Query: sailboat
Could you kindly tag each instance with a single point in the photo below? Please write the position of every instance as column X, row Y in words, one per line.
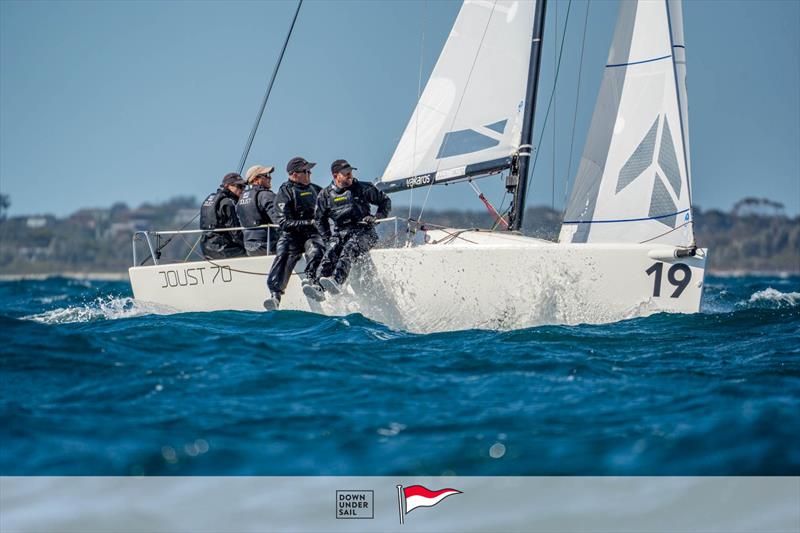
column 626, row 247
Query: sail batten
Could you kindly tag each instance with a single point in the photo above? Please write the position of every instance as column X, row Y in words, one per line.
column 633, row 181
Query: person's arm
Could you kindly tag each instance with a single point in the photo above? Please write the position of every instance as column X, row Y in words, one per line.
column 380, row 199
column 266, row 204
column 321, row 213
column 228, row 208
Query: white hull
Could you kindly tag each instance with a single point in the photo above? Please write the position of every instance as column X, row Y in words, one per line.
column 481, row 280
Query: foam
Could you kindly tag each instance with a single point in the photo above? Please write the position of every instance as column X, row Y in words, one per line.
column 772, row 296
column 104, row 308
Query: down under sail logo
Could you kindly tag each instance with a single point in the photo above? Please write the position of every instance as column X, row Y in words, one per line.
column 409, row 498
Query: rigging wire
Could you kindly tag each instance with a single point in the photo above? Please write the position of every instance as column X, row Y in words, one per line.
column 419, row 94
column 575, row 111
column 253, row 131
column 252, row 136
column 552, row 94
column 555, row 115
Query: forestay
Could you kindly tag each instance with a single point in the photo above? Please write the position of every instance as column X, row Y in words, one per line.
column 468, row 119
column 633, row 182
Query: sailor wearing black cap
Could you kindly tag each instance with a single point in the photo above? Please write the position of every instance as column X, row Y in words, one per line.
column 219, row 211
column 346, row 202
column 295, row 203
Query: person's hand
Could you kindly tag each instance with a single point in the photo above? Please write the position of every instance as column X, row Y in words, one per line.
column 369, row 220
column 308, row 222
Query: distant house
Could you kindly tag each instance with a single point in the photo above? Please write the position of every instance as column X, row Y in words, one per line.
column 129, row 226
column 36, row 222
column 184, row 216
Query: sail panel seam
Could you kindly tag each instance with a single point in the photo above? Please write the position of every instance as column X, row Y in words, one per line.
column 639, row 62
column 624, row 219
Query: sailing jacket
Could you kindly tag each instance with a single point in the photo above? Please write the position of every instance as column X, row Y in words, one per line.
column 347, row 207
column 219, row 211
column 295, row 208
column 255, row 208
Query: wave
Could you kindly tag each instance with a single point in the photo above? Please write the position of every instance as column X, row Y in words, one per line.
column 770, row 297
column 102, row 308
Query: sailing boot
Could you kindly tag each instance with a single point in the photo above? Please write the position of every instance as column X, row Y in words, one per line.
column 272, row 304
column 313, row 291
column 330, row 285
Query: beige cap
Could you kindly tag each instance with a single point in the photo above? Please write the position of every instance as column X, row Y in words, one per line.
column 255, row 170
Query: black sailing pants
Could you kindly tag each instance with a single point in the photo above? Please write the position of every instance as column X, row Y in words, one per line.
column 343, row 250
column 288, row 251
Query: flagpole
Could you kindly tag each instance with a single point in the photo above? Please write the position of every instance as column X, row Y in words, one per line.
column 400, row 502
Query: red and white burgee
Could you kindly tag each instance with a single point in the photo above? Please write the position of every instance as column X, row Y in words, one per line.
column 419, row 496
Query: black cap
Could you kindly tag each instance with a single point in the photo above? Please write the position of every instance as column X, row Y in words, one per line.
column 232, row 178
column 298, row 164
column 341, row 165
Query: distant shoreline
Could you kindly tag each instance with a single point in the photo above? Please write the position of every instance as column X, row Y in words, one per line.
column 89, row 276
column 123, row 276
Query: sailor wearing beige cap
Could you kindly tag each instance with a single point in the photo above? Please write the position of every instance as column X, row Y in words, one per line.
column 256, row 207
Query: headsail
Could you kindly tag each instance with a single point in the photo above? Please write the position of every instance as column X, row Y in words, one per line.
column 469, row 118
column 633, row 182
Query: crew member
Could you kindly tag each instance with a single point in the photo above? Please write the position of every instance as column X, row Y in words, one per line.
column 219, row 211
column 346, row 201
column 256, row 207
column 295, row 203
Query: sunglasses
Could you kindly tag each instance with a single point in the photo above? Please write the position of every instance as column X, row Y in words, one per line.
column 265, row 176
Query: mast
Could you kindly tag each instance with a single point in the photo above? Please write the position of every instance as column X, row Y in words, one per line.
column 517, row 181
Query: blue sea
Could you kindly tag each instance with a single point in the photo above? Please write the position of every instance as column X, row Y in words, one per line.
column 94, row 383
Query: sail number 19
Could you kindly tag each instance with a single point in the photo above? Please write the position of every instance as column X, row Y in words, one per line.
column 680, row 283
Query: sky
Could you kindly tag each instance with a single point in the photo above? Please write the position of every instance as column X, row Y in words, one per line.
column 142, row 101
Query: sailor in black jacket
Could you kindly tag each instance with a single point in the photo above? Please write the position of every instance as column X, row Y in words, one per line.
column 295, row 203
column 346, row 201
column 219, row 211
column 256, row 207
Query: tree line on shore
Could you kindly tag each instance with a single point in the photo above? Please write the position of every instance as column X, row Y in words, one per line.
column 756, row 236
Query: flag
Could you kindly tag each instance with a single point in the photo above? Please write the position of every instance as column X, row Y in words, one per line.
column 419, row 496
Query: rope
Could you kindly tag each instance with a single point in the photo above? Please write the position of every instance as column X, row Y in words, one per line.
column 502, row 214
column 667, row 233
column 253, row 131
column 575, row 112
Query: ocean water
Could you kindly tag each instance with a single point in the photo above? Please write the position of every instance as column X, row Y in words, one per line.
column 94, row 383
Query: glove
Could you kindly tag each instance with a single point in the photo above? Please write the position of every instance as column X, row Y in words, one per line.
column 308, row 222
column 369, row 220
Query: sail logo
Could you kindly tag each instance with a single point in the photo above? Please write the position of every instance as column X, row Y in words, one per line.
column 667, row 183
column 462, row 142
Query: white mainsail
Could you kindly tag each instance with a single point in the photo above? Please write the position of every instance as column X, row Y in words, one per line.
column 471, row 111
column 633, row 182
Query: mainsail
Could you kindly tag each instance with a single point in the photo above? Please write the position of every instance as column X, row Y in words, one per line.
column 633, row 182
column 468, row 120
